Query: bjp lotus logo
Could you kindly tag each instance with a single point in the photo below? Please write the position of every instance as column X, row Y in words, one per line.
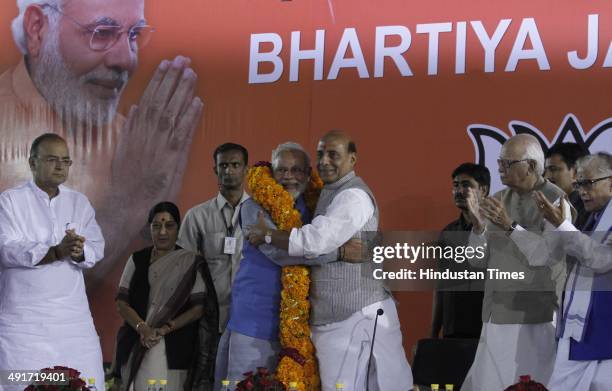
column 488, row 140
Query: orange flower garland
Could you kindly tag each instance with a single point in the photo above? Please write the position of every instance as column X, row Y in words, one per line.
column 301, row 366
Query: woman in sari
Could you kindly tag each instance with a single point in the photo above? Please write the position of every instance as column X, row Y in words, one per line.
column 168, row 302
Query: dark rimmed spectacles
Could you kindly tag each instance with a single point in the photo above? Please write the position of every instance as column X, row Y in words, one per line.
column 104, row 37
column 587, row 184
column 506, row 164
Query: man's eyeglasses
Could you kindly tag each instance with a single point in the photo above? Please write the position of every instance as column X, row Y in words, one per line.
column 104, row 37
column 587, row 184
column 293, row 170
column 506, row 164
column 54, row 160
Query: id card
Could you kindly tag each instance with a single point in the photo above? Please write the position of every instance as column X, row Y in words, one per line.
column 229, row 245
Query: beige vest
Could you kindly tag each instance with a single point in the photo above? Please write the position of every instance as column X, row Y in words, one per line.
column 533, row 299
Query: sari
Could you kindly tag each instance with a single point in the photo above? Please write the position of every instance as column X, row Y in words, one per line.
column 171, row 280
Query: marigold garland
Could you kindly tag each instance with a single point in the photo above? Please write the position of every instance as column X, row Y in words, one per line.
column 294, row 306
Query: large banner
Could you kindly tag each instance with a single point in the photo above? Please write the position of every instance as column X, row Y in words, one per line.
column 420, row 86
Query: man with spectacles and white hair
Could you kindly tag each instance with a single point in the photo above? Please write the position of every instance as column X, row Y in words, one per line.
column 77, row 59
column 584, row 353
column 48, row 236
column 518, row 336
column 251, row 339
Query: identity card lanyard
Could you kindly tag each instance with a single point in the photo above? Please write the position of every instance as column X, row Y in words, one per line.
column 229, row 243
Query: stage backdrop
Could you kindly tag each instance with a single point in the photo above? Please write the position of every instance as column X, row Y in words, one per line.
column 421, row 86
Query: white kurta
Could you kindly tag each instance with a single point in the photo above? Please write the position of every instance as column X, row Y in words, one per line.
column 44, row 313
column 343, row 347
column 583, row 375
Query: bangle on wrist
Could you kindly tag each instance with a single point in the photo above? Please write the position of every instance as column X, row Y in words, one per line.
column 142, row 322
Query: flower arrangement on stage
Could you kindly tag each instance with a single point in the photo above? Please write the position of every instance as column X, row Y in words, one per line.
column 526, row 384
column 298, row 362
column 261, row 380
column 51, row 376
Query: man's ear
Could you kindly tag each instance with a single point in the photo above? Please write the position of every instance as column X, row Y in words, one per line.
column 484, row 191
column 35, row 27
column 353, row 158
column 573, row 173
column 215, row 170
column 532, row 165
column 31, row 162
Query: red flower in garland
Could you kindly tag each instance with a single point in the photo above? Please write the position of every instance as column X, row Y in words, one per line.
column 526, row 384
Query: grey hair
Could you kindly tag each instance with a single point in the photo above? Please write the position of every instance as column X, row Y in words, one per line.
column 602, row 161
column 533, row 151
column 17, row 26
column 288, row 147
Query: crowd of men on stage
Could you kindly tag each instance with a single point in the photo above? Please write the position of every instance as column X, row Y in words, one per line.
column 551, row 221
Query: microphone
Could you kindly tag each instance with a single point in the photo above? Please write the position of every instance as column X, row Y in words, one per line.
column 379, row 312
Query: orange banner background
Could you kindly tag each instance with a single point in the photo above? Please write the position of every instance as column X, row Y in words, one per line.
column 410, row 131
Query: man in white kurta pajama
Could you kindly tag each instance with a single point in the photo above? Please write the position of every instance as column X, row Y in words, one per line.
column 48, row 235
column 584, row 353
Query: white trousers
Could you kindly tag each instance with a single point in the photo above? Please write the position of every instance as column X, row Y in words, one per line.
column 569, row 375
column 239, row 353
column 507, row 351
column 343, row 349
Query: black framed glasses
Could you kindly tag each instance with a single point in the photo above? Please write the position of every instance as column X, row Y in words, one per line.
column 587, row 184
column 506, row 164
column 104, row 37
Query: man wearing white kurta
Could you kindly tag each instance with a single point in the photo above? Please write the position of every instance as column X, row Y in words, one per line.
column 518, row 337
column 584, row 354
column 345, row 297
column 48, row 235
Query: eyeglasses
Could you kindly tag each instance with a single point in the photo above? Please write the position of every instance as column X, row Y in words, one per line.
column 587, row 184
column 293, row 170
column 104, row 37
column 54, row 160
column 506, row 164
column 169, row 226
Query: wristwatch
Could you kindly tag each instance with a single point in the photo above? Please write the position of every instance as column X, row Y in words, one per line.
column 268, row 237
column 512, row 226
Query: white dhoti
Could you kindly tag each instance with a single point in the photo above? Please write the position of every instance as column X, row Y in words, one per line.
column 507, row 351
column 37, row 345
column 343, row 349
column 570, row 375
column 239, row 353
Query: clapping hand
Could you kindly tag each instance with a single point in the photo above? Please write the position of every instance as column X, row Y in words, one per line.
column 495, row 211
column 554, row 214
column 473, row 210
column 72, row 245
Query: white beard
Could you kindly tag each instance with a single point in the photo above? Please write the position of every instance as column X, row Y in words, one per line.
column 66, row 93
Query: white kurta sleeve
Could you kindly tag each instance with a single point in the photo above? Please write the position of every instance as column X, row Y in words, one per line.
column 587, row 250
column 345, row 216
column 93, row 250
column 16, row 251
